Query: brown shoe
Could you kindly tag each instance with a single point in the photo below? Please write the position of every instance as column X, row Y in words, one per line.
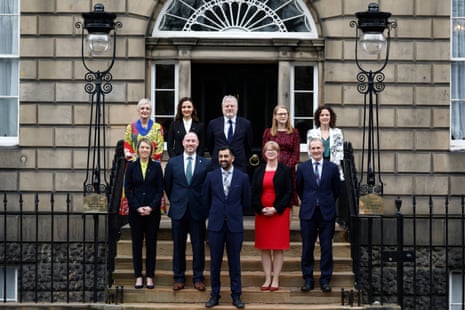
column 178, row 286
column 199, row 286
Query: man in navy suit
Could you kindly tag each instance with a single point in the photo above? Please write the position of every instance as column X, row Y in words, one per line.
column 184, row 178
column 227, row 194
column 230, row 130
column 318, row 186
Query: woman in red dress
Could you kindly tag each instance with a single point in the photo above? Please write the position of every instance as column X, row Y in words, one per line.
column 288, row 138
column 271, row 195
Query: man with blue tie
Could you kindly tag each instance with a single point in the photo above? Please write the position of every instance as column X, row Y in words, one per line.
column 230, row 130
column 318, row 186
column 184, row 178
column 227, row 194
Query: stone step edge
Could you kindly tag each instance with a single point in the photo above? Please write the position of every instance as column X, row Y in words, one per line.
column 245, row 258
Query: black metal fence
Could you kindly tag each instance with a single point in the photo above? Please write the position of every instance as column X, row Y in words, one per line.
column 415, row 260
column 52, row 256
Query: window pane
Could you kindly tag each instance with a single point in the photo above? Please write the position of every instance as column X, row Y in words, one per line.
column 235, row 16
column 9, row 35
column 9, row 77
column 457, row 120
column 303, row 125
column 164, row 102
column 164, row 77
column 9, row 7
column 303, row 104
column 458, row 37
column 8, row 118
column 303, row 77
column 11, row 283
column 458, row 8
column 457, row 79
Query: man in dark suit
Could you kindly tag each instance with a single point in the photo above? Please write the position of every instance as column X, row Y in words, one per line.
column 184, row 178
column 227, row 193
column 318, row 186
column 231, row 130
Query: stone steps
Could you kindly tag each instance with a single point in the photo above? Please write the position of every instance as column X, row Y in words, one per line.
column 288, row 296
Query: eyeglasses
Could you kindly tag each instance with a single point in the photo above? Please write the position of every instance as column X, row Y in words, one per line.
column 281, row 114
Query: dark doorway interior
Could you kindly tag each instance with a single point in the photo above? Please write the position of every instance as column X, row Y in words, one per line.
column 255, row 86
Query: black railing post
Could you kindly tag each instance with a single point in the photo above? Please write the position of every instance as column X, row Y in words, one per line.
column 84, row 258
column 68, row 209
column 52, row 241
column 36, row 279
column 414, row 227
column 462, row 219
column 430, row 251
column 96, row 230
column 400, row 253
column 4, row 246
column 370, row 259
column 21, row 263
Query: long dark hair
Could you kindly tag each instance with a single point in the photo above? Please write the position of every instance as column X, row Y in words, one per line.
column 178, row 116
column 332, row 116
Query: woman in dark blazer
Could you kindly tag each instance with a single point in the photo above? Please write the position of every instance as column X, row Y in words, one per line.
column 272, row 188
column 186, row 120
column 144, row 188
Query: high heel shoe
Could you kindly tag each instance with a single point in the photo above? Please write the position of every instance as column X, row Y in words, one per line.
column 149, row 283
column 265, row 288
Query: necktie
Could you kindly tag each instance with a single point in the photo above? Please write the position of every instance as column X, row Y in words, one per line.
column 226, row 182
column 230, row 131
column 189, row 170
column 317, row 173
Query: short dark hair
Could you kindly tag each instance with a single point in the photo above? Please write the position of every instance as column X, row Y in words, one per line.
column 226, row 147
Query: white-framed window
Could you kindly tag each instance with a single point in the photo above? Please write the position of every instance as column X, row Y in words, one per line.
column 11, row 274
column 304, row 99
column 457, row 80
column 164, row 93
column 456, row 291
column 9, row 72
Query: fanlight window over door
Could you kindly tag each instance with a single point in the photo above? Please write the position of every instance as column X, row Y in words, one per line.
column 236, row 18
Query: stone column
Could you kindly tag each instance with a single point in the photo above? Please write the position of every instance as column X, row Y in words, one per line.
column 284, row 87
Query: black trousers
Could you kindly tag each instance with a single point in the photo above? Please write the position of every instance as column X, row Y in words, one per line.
column 144, row 227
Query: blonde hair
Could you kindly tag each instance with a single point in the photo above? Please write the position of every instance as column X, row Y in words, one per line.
column 271, row 144
column 274, row 125
column 147, row 141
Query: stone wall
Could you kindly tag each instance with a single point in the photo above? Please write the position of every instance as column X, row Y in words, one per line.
column 54, row 273
column 429, row 273
column 54, row 109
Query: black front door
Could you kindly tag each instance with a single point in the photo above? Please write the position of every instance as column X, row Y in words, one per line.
column 255, row 86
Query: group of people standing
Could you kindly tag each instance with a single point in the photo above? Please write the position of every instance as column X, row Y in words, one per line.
column 220, row 190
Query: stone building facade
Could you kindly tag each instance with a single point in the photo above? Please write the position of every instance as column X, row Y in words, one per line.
column 415, row 107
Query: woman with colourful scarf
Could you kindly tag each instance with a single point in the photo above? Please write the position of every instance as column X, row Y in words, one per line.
column 144, row 127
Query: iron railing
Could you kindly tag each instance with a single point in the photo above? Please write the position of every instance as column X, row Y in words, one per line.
column 410, row 259
column 56, row 255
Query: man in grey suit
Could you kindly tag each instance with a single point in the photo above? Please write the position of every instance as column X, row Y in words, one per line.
column 184, row 178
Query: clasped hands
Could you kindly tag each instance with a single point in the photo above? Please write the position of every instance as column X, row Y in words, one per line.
column 144, row 211
column 268, row 211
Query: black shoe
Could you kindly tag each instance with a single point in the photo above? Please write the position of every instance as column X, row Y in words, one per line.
column 237, row 302
column 326, row 288
column 213, row 301
column 307, row 287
